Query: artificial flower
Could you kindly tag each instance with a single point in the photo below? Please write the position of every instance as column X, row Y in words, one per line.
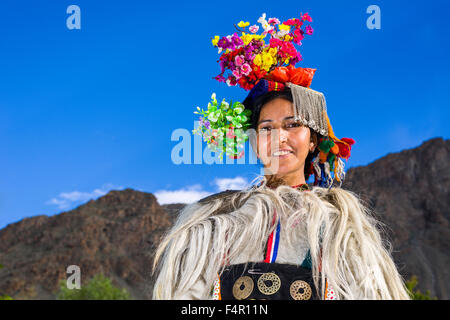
column 284, row 27
column 306, row 17
column 257, row 60
column 273, row 51
column 237, row 74
column 243, row 24
column 247, row 57
column 273, row 21
column 246, row 69
column 230, row 133
column 215, row 40
column 254, row 29
column 239, row 61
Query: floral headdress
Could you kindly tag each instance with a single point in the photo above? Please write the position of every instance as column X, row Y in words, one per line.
column 265, row 62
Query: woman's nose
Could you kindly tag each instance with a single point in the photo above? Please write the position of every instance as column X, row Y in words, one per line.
column 283, row 135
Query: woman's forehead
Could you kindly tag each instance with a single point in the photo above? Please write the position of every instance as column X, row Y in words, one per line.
column 277, row 109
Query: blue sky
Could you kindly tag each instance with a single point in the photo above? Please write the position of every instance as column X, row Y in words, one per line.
column 86, row 111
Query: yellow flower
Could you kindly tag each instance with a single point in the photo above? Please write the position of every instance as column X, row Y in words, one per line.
column 246, row 38
column 273, row 51
column 215, row 40
column 284, row 27
column 243, row 24
column 288, row 38
column 257, row 60
column 267, row 61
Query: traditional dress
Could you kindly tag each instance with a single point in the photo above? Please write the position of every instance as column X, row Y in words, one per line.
column 284, row 274
column 281, row 243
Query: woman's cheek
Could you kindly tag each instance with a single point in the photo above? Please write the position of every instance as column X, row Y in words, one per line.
column 264, row 148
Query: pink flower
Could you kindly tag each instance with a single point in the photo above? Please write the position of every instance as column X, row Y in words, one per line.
column 293, row 22
column 306, row 17
column 269, row 30
column 298, row 36
column 230, row 133
column 274, row 42
column 236, row 74
column 273, row 21
column 238, row 61
column 254, row 29
column 246, row 69
column 309, row 30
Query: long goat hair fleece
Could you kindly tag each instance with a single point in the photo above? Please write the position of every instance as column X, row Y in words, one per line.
column 342, row 235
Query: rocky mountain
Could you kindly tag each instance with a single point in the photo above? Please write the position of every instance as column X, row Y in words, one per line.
column 114, row 235
column 409, row 193
column 117, row 234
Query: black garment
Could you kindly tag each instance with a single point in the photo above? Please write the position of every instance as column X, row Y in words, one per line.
column 269, row 281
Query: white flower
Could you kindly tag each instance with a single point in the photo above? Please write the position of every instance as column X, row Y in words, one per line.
column 238, row 109
column 280, row 34
column 262, row 19
column 212, row 117
column 225, row 105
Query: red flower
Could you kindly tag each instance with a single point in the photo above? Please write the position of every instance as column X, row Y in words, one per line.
column 231, row 81
column 345, row 147
column 244, row 84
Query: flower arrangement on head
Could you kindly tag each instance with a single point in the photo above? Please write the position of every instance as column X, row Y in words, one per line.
column 265, row 62
column 247, row 57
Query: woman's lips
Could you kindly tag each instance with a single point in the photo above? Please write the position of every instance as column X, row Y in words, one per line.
column 283, row 153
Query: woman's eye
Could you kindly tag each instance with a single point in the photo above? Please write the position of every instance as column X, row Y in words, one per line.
column 265, row 129
column 293, row 125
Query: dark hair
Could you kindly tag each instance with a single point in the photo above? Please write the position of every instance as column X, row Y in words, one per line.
column 256, row 105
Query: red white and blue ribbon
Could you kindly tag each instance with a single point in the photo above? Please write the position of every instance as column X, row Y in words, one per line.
column 272, row 244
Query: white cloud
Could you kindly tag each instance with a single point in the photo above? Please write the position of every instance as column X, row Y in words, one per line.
column 195, row 192
column 67, row 200
column 237, row 183
column 186, row 195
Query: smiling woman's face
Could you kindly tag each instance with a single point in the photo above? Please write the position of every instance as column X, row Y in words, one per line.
column 283, row 143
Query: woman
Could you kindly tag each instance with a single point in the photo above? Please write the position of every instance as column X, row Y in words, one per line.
column 280, row 239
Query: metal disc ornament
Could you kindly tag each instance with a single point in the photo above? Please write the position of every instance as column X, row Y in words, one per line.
column 300, row 290
column 243, row 287
column 269, row 283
